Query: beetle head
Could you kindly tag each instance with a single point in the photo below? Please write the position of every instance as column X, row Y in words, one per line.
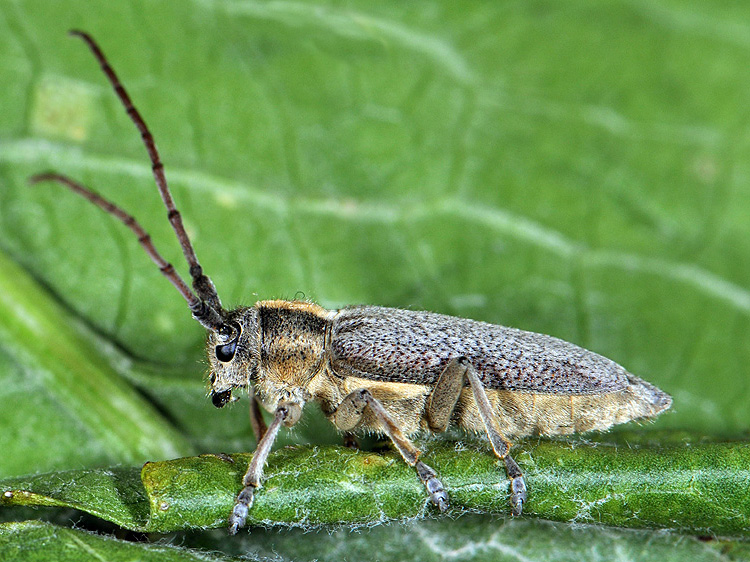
column 233, row 354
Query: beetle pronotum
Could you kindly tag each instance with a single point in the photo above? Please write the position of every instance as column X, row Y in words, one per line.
column 391, row 371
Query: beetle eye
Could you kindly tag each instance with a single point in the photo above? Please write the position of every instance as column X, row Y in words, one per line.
column 225, row 353
column 220, row 399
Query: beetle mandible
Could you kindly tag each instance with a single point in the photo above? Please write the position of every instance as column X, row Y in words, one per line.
column 391, row 371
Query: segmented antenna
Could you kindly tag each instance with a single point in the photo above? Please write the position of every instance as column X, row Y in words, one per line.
column 144, row 239
column 204, row 304
column 208, row 316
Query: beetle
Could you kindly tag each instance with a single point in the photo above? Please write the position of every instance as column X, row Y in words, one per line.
column 385, row 370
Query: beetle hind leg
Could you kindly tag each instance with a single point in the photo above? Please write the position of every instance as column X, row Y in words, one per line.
column 350, row 412
column 440, row 405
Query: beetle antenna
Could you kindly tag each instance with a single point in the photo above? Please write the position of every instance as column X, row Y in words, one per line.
column 208, row 316
column 202, row 284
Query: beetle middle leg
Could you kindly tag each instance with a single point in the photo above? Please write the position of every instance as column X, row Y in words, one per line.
column 350, row 412
column 442, row 401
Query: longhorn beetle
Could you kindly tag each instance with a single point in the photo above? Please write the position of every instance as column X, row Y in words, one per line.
column 391, row 371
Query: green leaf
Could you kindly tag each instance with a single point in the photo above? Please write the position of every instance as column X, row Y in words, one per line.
column 39, row 334
column 576, row 168
column 37, row 541
column 423, row 540
column 691, row 487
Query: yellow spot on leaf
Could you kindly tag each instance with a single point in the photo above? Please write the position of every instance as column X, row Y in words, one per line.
column 226, row 200
column 61, row 108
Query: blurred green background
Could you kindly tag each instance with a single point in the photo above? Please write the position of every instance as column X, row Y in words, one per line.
column 579, row 169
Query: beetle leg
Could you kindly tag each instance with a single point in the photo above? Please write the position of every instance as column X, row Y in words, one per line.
column 256, row 418
column 444, row 396
column 350, row 440
column 442, row 401
column 286, row 413
column 350, row 412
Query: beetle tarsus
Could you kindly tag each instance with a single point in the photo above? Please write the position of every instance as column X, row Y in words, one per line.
column 242, row 505
column 434, row 486
column 517, row 495
column 517, row 485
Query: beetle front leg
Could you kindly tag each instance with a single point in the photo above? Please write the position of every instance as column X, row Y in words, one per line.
column 442, row 401
column 350, row 412
column 287, row 414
